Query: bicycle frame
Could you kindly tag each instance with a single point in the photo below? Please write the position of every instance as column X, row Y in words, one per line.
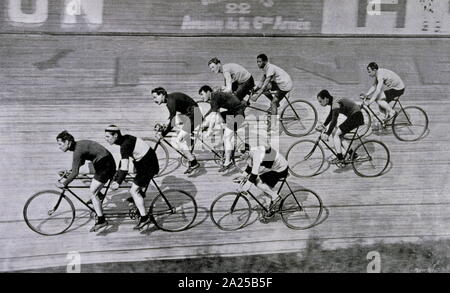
column 319, row 139
column 197, row 138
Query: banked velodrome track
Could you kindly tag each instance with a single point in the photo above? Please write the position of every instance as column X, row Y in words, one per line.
column 83, row 83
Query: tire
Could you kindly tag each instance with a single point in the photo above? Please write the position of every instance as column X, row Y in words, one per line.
column 39, row 217
column 305, row 158
column 230, row 211
column 161, row 153
column 363, row 129
column 298, row 118
column 179, row 215
column 301, row 209
column 373, row 159
column 410, row 124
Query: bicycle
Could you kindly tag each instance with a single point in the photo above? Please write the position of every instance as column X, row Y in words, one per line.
column 306, row 157
column 52, row 212
column 161, row 145
column 300, row 209
column 298, row 118
column 408, row 124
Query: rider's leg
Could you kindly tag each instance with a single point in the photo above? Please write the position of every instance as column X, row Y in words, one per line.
column 182, row 143
column 385, row 108
column 228, row 142
column 266, row 188
column 95, row 187
column 138, row 200
column 337, row 139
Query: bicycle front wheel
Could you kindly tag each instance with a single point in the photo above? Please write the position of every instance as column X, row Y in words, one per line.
column 410, row 124
column 372, row 158
column 301, row 209
column 230, row 211
column 161, row 153
column 174, row 210
column 48, row 213
column 305, row 158
column 298, row 118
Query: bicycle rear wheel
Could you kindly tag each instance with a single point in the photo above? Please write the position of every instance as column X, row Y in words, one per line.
column 410, row 124
column 372, row 159
column 305, row 158
column 239, row 162
column 230, row 211
column 298, row 118
column 161, row 153
column 363, row 129
column 301, row 209
column 45, row 216
column 175, row 211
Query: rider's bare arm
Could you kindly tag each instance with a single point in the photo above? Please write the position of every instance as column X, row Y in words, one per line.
column 228, row 84
column 76, row 164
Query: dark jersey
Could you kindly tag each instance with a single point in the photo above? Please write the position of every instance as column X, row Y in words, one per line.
column 225, row 100
column 132, row 147
column 340, row 106
column 178, row 102
column 85, row 150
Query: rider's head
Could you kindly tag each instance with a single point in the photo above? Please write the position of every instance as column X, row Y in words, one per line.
column 65, row 140
column 372, row 69
column 324, row 98
column 159, row 95
column 261, row 60
column 112, row 133
column 205, row 93
column 214, row 65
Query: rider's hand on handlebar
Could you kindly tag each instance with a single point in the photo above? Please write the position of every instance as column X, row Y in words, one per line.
column 238, row 179
column 324, row 136
column 362, row 96
column 60, row 185
column 244, row 186
column 320, row 127
column 114, row 185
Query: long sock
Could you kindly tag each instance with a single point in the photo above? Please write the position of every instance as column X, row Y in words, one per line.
column 101, row 219
column 144, row 218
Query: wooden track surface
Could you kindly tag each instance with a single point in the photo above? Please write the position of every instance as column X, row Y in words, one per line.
column 78, row 83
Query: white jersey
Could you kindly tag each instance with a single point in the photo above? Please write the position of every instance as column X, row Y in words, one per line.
column 262, row 161
column 280, row 77
column 389, row 79
column 238, row 73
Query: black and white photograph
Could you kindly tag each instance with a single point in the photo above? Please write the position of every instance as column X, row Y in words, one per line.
column 225, row 136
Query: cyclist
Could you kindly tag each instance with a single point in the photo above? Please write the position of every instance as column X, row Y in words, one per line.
column 265, row 167
column 386, row 87
column 145, row 163
column 233, row 118
column 338, row 106
column 104, row 166
column 275, row 80
column 190, row 116
column 237, row 79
